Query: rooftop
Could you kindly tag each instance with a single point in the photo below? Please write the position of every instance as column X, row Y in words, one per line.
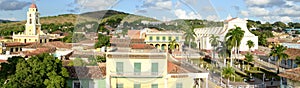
column 33, row 5
column 91, row 72
column 293, row 74
column 292, row 52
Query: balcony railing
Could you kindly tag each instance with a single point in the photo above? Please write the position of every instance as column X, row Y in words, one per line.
column 137, row 74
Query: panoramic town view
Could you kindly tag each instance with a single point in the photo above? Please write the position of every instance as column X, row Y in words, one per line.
column 150, row 44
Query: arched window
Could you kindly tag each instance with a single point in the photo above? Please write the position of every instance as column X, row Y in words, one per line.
column 29, row 15
column 36, row 21
column 30, row 21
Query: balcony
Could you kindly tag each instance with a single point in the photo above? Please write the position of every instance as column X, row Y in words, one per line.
column 137, row 74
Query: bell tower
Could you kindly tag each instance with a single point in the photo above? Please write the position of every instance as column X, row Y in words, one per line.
column 33, row 26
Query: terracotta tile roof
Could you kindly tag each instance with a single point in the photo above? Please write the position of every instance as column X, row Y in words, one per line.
column 134, row 41
column 173, row 68
column 141, row 46
column 58, row 44
column 33, row 5
column 134, row 34
column 88, row 72
column 293, row 74
column 1, row 61
column 13, row 44
column 292, row 52
column 230, row 20
column 39, row 51
column 57, row 32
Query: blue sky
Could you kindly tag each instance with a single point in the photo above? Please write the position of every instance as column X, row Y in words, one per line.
column 263, row 10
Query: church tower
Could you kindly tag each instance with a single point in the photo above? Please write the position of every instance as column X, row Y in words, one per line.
column 33, row 26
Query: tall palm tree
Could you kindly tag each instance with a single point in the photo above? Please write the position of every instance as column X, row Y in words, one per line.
column 249, row 58
column 250, row 44
column 228, row 72
column 233, row 40
column 297, row 61
column 278, row 52
column 172, row 44
column 214, row 41
column 222, row 51
column 189, row 35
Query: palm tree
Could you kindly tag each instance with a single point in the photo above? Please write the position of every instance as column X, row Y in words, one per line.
column 172, row 44
column 297, row 61
column 278, row 52
column 222, row 51
column 250, row 44
column 213, row 40
column 249, row 58
column 233, row 40
column 189, row 35
column 228, row 72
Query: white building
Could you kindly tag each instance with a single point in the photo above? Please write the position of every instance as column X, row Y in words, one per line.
column 203, row 34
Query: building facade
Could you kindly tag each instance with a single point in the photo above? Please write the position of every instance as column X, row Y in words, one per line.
column 161, row 39
column 203, row 34
column 142, row 66
column 32, row 31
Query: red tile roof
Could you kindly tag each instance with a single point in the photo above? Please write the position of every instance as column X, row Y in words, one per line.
column 134, row 34
column 292, row 52
column 293, row 74
column 33, row 5
column 88, row 72
column 141, row 46
column 39, row 51
column 14, row 44
column 173, row 68
column 230, row 20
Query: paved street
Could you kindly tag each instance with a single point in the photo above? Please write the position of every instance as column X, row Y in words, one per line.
column 215, row 78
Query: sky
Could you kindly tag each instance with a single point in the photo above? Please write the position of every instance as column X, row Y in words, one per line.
column 165, row 10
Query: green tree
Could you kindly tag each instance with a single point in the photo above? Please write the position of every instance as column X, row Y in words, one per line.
column 9, row 68
column 214, row 41
column 41, row 71
column 233, row 40
column 228, row 72
column 189, row 35
column 297, row 61
column 250, row 44
column 280, row 25
column 102, row 41
column 79, row 62
column 278, row 52
column 249, row 58
column 172, row 44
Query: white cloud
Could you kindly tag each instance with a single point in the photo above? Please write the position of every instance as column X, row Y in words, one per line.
column 95, row 4
column 272, row 19
column 182, row 14
column 245, row 13
column 212, row 18
column 264, row 3
column 11, row 19
column 285, row 19
column 164, row 4
column 257, row 11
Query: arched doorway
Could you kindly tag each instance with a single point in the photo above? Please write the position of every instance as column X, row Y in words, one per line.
column 151, row 44
column 163, row 47
column 157, row 46
column 177, row 46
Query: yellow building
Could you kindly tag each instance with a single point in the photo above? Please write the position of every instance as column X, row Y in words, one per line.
column 158, row 39
column 32, row 31
column 143, row 66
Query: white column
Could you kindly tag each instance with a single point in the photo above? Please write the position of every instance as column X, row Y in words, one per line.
column 107, row 81
column 206, row 82
column 199, row 82
column 166, row 82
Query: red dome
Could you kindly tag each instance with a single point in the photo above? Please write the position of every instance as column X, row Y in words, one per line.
column 33, row 5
